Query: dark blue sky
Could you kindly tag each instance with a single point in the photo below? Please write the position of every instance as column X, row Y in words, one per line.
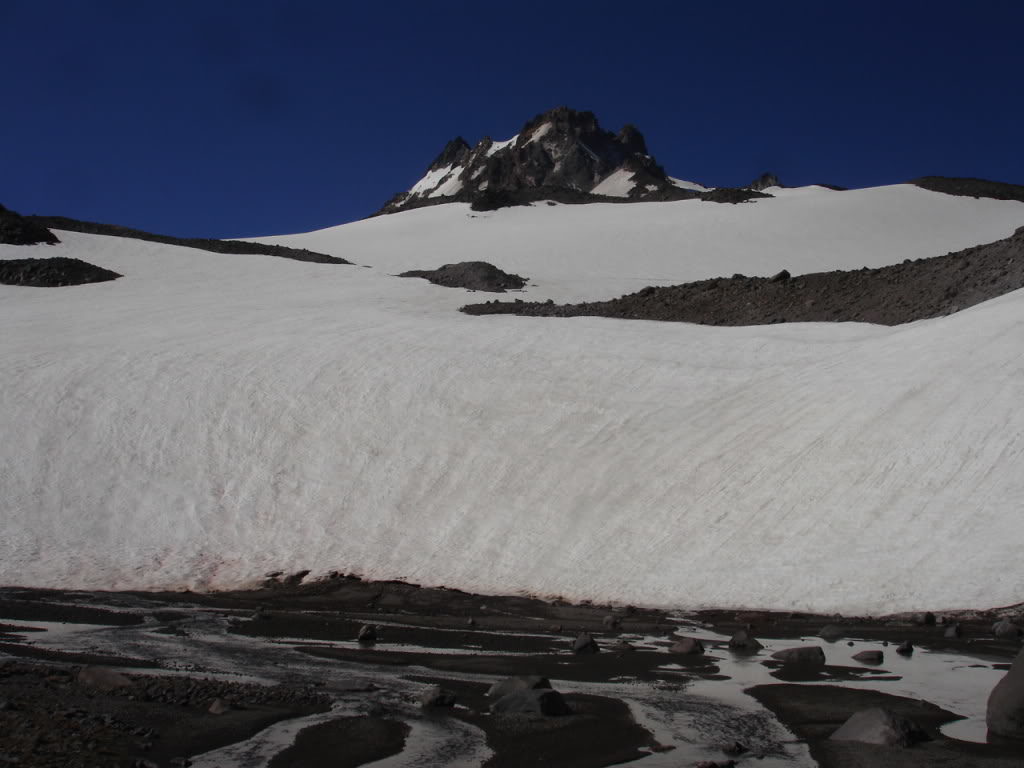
column 229, row 118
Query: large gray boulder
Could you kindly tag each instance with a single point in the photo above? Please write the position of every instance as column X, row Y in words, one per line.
column 687, row 646
column 832, row 632
column 436, row 696
column 539, row 701
column 744, row 642
column 1006, row 630
column 1005, row 713
column 517, row 683
column 880, row 726
column 808, row 656
column 584, row 643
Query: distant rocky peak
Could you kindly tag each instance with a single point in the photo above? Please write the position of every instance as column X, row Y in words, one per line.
column 764, row 181
column 559, row 154
column 455, row 152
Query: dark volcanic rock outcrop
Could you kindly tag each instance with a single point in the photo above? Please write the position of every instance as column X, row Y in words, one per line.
column 16, row 229
column 968, row 187
column 51, row 273
column 764, row 181
column 563, row 152
column 202, row 243
column 901, row 293
column 474, row 275
column 731, row 195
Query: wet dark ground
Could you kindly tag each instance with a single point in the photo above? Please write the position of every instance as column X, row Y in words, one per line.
column 296, row 689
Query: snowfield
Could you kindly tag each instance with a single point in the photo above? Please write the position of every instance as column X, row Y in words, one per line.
column 208, row 418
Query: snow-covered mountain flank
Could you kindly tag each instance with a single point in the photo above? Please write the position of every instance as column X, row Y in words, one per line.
column 207, row 418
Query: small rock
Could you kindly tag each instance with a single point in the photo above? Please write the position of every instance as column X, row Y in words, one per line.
column 180, row 762
column 219, row 707
column 880, row 726
column 437, row 697
column 687, row 646
column 584, row 643
column 715, row 764
column 926, row 619
column 808, row 656
column 905, row 648
column 745, row 642
column 611, row 622
column 954, row 631
column 539, row 701
column 367, row 634
column 733, row 749
column 470, row 622
column 517, row 683
column 869, row 657
column 831, row 632
column 103, row 679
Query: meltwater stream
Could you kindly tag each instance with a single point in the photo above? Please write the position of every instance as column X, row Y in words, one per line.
column 685, row 712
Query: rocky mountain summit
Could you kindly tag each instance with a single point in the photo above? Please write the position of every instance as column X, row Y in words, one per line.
column 561, row 154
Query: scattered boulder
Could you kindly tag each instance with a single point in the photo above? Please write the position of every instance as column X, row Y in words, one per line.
column 808, row 656
column 52, row 273
column 538, row 701
column 367, row 634
column 733, row 749
column 474, row 275
column 880, row 726
column 437, row 696
column 584, row 643
column 103, row 679
column 1006, row 630
column 780, row 277
column 926, row 619
column 744, row 642
column 687, row 646
column 906, row 648
column 832, row 632
column 1005, row 712
column 219, row 707
column 869, row 657
column 611, row 622
column 517, row 683
column 16, row 229
column 954, row 631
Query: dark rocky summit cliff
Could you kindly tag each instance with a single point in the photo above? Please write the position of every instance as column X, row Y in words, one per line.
column 561, row 154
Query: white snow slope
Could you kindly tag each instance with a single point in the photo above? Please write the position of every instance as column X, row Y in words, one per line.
column 209, row 418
